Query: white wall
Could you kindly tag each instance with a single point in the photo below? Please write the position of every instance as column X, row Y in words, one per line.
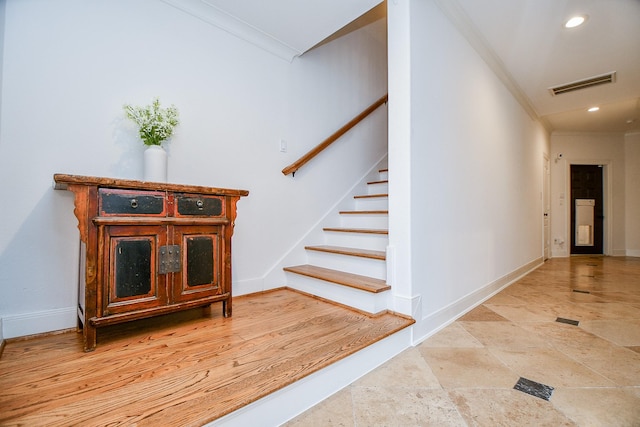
column 2, row 24
column 475, row 174
column 406, row 299
column 632, row 194
column 70, row 65
column 588, row 148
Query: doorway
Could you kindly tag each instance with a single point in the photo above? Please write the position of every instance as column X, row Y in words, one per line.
column 587, row 209
column 546, row 209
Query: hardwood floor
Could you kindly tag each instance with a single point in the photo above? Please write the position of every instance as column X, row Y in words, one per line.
column 181, row 369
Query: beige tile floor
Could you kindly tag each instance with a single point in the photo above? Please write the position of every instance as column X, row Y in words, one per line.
column 465, row 374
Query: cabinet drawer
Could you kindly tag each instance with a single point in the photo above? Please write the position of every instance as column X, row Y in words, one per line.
column 196, row 205
column 125, row 202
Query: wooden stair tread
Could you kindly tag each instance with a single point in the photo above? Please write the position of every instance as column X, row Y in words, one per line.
column 364, row 283
column 369, row 196
column 363, row 253
column 357, row 230
column 364, row 212
column 384, row 181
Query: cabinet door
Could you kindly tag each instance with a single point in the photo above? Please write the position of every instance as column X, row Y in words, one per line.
column 201, row 273
column 131, row 268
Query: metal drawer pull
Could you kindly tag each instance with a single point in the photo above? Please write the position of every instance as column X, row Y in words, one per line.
column 134, row 203
column 200, row 204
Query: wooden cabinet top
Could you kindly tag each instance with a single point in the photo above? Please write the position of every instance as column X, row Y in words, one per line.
column 62, row 181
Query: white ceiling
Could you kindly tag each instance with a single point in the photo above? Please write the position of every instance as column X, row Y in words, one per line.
column 538, row 52
column 523, row 40
column 299, row 24
column 286, row 28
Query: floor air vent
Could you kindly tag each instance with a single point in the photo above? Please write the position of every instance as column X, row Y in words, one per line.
column 583, row 84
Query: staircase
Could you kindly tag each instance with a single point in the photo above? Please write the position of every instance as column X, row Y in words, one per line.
column 349, row 267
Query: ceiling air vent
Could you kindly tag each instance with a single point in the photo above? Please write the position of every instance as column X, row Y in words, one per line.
column 583, row 84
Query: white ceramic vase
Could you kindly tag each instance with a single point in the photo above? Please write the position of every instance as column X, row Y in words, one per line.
column 155, row 164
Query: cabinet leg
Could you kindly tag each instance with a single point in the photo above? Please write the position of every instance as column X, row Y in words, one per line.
column 206, row 310
column 90, row 338
column 226, row 307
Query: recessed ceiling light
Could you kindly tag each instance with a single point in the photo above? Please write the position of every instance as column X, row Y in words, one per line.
column 575, row 21
column 592, row 109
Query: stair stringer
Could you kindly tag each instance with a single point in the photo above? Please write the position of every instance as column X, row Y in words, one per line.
column 333, row 234
column 297, row 254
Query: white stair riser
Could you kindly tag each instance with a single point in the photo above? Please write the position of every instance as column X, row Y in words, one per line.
column 375, row 221
column 379, row 188
column 372, row 204
column 349, row 264
column 376, row 242
column 361, row 300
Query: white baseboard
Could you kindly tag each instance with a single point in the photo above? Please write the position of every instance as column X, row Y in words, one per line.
column 408, row 305
column 1, row 337
column 250, row 286
column 432, row 323
column 559, row 253
column 615, row 252
column 21, row 325
column 285, row 404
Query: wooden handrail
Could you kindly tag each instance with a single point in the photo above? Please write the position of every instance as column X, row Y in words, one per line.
column 293, row 167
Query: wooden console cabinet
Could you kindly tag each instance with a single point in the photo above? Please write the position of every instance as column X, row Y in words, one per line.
column 149, row 248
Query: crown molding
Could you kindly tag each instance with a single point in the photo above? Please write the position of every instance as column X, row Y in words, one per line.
column 215, row 16
column 459, row 18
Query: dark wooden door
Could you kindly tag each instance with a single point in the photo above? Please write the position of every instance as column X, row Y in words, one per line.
column 201, row 252
column 586, row 183
column 130, row 267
